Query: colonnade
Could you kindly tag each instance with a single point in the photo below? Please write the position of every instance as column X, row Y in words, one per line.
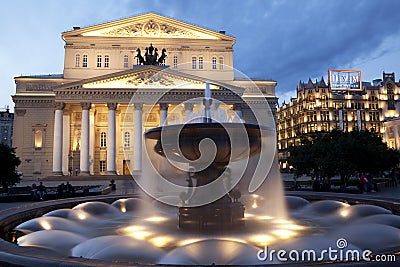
column 111, row 135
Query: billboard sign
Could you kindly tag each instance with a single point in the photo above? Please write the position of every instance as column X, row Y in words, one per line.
column 345, row 80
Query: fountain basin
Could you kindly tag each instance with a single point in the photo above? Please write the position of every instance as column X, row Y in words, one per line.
column 25, row 256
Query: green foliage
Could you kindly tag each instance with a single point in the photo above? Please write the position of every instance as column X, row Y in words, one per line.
column 324, row 155
column 8, row 166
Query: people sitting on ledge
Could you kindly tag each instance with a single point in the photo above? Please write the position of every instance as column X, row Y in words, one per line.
column 33, row 190
column 366, row 184
column 41, row 191
column 65, row 190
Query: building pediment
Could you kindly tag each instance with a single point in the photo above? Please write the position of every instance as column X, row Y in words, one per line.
column 149, row 77
column 148, row 25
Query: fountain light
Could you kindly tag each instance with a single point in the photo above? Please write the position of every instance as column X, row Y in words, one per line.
column 284, row 233
column 131, row 229
column 82, row 216
column 161, row 241
column 156, row 219
column 292, row 226
column 140, row 235
column 248, row 215
column 189, row 241
column 262, row 240
column 344, row 212
column 45, row 224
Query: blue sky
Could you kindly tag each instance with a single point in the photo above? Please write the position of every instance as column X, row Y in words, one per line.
column 283, row 40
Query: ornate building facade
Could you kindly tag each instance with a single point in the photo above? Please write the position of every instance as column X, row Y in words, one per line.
column 317, row 108
column 81, row 120
column 6, row 126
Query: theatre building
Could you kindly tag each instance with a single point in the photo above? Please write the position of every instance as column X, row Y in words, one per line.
column 81, row 119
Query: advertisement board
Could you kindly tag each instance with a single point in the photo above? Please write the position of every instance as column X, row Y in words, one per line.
column 345, row 80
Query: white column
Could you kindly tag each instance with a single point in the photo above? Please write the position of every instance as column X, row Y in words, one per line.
column 66, row 143
column 85, row 139
column 137, row 137
column 58, row 139
column 92, row 138
column 111, row 139
column 163, row 114
column 188, row 111
column 238, row 109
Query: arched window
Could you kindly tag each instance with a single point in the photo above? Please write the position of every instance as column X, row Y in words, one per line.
column 221, row 63
column 103, row 139
column 106, row 61
column 85, row 61
column 38, row 139
column 194, row 63
column 77, row 60
column 175, row 62
column 214, row 63
column 126, row 61
column 127, row 139
column 99, row 61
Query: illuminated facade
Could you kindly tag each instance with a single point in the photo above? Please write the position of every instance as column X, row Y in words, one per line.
column 79, row 119
column 317, row 108
column 6, row 127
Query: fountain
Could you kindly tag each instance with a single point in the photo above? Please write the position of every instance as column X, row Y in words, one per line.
column 127, row 230
column 183, row 143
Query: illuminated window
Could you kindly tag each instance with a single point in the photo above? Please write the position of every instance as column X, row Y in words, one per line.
column 194, row 63
column 103, row 139
column 200, row 63
column 126, row 61
column 102, row 165
column 38, row 139
column 77, row 60
column 99, row 61
column 85, row 61
column 106, row 61
column 175, row 62
column 221, row 63
column 214, row 63
column 127, row 139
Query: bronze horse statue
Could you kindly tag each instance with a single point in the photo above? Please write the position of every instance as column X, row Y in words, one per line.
column 139, row 56
column 162, row 57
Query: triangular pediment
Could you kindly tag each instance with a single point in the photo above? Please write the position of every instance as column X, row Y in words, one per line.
column 149, row 25
column 148, row 77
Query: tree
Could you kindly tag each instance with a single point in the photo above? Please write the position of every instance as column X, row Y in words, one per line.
column 324, row 155
column 8, row 166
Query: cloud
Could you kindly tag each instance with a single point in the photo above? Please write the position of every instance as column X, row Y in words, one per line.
column 283, row 40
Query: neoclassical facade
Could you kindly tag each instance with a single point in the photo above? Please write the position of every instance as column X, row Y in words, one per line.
column 92, row 117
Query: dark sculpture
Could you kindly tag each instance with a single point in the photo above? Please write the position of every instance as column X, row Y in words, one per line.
column 162, row 57
column 150, row 58
column 140, row 57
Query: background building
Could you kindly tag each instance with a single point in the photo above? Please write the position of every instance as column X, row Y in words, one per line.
column 80, row 118
column 317, row 108
column 6, row 126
